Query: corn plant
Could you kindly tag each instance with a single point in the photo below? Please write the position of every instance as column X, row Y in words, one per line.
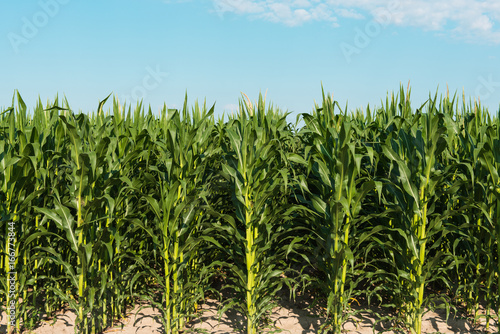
column 173, row 178
column 338, row 188
column 257, row 237
column 417, row 187
column 81, row 207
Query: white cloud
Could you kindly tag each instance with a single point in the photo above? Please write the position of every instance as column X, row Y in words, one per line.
column 285, row 13
column 291, row 12
column 240, row 6
column 468, row 19
column 349, row 13
column 302, row 3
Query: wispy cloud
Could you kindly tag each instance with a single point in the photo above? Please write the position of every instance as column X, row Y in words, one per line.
column 240, row 6
column 475, row 20
column 291, row 13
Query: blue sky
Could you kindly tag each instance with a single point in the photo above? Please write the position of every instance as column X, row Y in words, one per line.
column 157, row 50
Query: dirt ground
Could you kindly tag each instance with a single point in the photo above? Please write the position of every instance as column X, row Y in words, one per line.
column 292, row 318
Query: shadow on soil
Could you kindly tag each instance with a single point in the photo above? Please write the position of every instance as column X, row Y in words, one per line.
column 305, row 315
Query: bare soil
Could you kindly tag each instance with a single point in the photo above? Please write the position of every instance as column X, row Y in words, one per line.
column 298, row 317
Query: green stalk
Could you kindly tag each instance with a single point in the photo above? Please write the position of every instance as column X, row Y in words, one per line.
column 344, row 264
column 35, row 285
column 81, row 280
column 420, row 288
column 251, row 235
column 167, row 275
column 178, row 258
column 175, row 278
column 106, row 268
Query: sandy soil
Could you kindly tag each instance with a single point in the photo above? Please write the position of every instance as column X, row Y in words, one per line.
column 296, row 318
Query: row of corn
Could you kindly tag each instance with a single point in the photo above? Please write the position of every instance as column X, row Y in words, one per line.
column 397, row 206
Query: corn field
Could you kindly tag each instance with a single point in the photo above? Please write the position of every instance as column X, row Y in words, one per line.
column 397, row 206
